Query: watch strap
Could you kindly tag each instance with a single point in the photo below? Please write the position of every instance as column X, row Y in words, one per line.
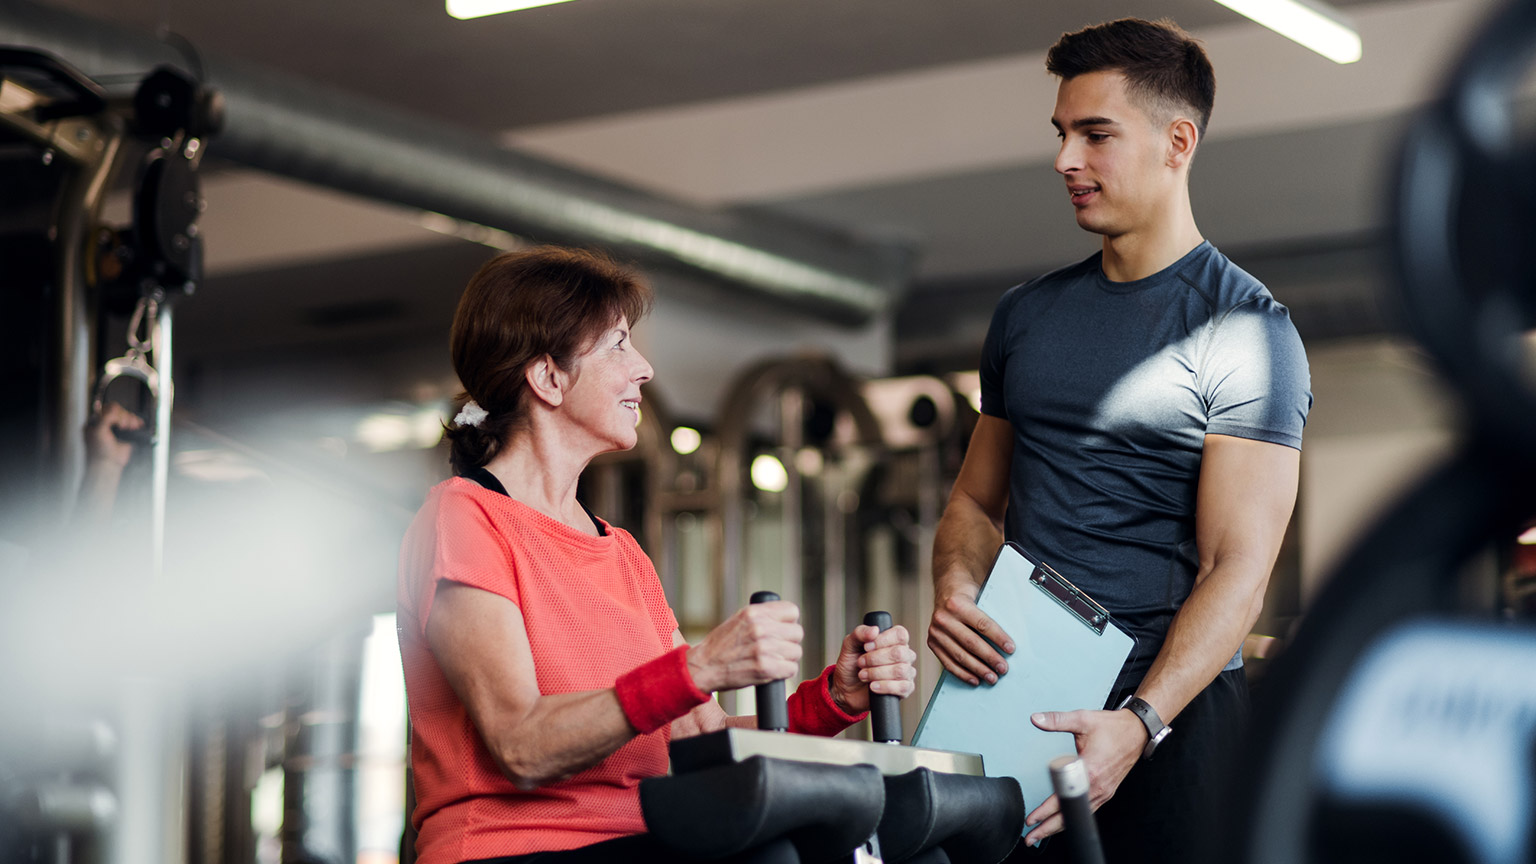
column 1157, row 730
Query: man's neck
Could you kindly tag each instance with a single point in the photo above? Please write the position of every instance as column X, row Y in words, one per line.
column 1139, row 254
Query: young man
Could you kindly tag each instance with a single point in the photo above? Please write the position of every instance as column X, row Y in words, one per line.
column 1141, row 422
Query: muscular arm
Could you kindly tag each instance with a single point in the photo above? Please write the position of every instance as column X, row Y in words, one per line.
column 1246, row 493
column 969, row 532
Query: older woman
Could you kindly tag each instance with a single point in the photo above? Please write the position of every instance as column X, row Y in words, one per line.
column 545, row 671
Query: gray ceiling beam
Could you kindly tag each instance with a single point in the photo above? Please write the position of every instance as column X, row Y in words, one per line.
column 311, row 132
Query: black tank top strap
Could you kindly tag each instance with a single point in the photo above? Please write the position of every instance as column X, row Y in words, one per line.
column 488, row 480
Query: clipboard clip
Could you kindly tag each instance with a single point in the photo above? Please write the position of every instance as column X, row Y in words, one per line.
column 1093, row 616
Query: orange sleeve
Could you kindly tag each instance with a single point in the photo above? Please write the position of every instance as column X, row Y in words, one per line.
column 468, row 550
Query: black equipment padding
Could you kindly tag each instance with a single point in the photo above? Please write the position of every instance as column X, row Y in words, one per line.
column 974, row 820
column 827, row 811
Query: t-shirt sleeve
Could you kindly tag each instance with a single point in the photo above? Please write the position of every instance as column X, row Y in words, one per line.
column 1256, row 381
column 468, row 550
column 994, row 360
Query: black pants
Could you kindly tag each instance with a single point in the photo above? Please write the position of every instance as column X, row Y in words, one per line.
column 1168, row 809
column 645, row 849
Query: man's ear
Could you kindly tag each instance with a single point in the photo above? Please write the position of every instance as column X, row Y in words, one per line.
column 1183, row 137
column 546, row 380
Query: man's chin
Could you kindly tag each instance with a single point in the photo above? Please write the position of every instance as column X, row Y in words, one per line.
column 1093, row 226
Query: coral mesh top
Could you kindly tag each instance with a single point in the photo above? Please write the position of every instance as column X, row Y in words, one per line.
column 594, row 610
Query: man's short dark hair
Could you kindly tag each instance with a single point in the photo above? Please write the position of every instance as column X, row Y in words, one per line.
column 1163, row 66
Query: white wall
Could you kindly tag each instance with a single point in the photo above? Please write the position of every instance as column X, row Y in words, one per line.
column 1380, row 419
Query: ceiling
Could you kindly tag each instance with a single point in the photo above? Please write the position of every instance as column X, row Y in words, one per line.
column 595, row 57
column 920, row 122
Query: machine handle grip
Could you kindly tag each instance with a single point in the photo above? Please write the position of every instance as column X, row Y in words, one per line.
column 772, row 708
column 884, row 710
column 1070, row 778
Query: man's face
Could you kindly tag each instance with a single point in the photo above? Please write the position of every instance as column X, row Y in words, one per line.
column 1114, row 156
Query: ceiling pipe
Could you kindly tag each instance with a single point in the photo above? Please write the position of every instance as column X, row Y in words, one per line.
column 310, row 132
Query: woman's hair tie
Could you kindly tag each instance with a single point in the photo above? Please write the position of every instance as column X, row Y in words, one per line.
column 470, row 415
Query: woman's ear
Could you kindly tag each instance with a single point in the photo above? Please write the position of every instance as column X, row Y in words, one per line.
column 546, row 380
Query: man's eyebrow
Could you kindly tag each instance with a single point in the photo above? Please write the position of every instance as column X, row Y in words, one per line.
column 1084, row 122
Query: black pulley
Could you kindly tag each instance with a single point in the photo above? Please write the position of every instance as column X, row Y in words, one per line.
column 166, row 208
column 169, row 102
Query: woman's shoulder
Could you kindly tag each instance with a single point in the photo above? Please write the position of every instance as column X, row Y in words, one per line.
column 460, row 503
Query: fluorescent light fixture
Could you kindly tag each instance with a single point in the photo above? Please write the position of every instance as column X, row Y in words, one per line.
column 386, row 432
column 1313, row 24
column 465, row 9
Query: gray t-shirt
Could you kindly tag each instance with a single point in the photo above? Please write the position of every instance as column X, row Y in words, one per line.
column 1111, row 388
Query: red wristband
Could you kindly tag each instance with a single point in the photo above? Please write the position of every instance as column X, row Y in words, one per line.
column 812, row 710
column 656, row 693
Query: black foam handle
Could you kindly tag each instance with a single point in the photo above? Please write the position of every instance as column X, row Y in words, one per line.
column 884, row 709
column 772, row 709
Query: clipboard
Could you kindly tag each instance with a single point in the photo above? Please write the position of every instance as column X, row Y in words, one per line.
column 1070, row 651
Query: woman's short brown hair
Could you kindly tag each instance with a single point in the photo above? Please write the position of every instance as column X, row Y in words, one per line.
column 519, row 307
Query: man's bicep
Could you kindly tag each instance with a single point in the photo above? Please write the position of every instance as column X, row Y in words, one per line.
column 1246, row 494
column 984, row 474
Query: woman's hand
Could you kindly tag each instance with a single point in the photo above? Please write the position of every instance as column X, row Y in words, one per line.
column 758, row 644
column 873, row 660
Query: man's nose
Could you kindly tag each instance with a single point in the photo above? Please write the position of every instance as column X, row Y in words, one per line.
column 1067, row 158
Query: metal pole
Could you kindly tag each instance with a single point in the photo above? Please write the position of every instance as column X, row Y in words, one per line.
column 96, row 147
column 160, row 464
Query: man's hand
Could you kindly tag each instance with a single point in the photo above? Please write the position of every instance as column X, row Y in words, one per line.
column 873, row 660
column 101, row 446
column 963, row 547
column 1109, row 742
column 955, row 636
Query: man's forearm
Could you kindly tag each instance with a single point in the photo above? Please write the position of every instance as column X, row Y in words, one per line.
column 1206, row 632
column 963, row 545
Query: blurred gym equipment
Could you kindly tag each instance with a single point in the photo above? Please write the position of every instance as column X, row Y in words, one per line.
column 739, row 788
column 1390, row 730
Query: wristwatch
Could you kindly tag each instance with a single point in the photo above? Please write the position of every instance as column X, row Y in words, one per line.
column 1157, row 730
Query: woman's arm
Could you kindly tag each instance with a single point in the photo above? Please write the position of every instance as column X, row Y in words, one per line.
column 481, row 644
column 479, row 641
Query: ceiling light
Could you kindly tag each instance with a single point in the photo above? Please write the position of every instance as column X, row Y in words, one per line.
column 686, row 439
column 768, row 473
column 1528, row 537
column 1314, row 24
column 463, row 9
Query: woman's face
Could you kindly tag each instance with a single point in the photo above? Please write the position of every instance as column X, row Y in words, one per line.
column 604, row 396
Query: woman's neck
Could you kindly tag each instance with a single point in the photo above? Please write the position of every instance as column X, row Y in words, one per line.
column 541, row 473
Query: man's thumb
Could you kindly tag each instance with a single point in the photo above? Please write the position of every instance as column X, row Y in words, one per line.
column 1055, row 721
